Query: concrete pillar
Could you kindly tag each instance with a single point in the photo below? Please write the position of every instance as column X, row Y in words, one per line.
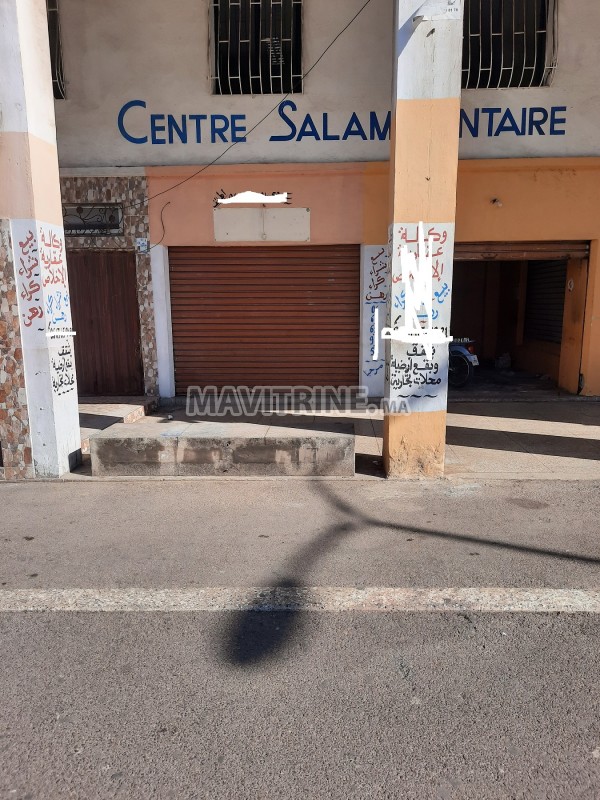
column 39, row 405
column 424, row 163
column 159, row 261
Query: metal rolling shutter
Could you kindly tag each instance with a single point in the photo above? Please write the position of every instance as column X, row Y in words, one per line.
column 265, row 316
column 545, row 301
column 519, row 251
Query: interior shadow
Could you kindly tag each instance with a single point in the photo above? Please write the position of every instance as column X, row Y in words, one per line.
column 369, row 465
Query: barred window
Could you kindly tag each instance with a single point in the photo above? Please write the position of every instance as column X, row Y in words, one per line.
column 58, row 78
column 257, row 46
column 87, row 219
column 509, row 43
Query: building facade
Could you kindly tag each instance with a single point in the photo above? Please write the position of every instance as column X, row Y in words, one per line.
column 165, row 110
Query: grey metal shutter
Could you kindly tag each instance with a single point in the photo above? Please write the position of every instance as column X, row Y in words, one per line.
column 545, row 302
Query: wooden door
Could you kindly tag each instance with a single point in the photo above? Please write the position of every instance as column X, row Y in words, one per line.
column 104, row 307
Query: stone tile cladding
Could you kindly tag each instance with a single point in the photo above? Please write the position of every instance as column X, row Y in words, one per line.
column 15, row 440
column 131, row 193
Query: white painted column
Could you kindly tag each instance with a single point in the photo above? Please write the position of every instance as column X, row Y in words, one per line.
column 32, row 207
column 159, row 260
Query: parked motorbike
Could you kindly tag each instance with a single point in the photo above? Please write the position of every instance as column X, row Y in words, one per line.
column 461, row 362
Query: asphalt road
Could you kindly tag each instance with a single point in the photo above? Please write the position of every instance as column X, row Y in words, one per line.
column 319, row 533
column 350, row 706
column 302, row 704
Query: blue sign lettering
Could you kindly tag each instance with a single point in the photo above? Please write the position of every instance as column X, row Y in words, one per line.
column 308, row 127
column 534, row 121
column 174, row 128
column 121, row 122
column 293, row 129
column 238, row 130
column 155, row 128
column 492, row 122
column 327, row 137
column 377, row 132
column 555, row 120
column 198, row 119
column 182, row 128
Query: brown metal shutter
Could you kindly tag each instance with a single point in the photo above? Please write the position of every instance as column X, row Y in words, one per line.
column 519, row 251
column 265, row 316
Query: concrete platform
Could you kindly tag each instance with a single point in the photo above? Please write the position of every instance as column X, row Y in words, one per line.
column 98, row 413
column 215, row 447
column 542, row 440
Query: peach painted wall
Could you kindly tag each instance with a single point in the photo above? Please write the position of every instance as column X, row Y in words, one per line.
column 540, row 199
column 334, row 193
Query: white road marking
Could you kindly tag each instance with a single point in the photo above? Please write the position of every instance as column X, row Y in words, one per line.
column 318, row 598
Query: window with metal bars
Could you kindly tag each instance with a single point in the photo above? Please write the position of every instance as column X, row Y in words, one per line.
column 509, row 43
column 56, row 63
column 257, row 46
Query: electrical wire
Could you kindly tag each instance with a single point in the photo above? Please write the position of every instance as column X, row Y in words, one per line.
column 164, row 231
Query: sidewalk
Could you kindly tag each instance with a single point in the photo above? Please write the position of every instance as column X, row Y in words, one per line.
column 549, row 439
column 488, row 440
column 558, row 440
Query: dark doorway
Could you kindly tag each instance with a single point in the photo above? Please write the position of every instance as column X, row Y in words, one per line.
column 486, row 306
column 104, row 308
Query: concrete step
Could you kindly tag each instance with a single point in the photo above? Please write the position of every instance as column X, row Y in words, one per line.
column 98, row 413
column 209, row 448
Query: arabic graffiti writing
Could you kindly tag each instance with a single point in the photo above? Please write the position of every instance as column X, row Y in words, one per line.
column 374, row 294
column 44, row 303
column 415, row 368
column 54, row 279
column 419, row 314
column 62, row 363
column 29, row 282
column 58, row 309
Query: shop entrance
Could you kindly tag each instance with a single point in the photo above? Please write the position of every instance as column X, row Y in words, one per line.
column 104, row 307
column 524, row 304
column 265, row 316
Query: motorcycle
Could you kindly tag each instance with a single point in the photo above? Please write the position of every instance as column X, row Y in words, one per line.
column 461, row 362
